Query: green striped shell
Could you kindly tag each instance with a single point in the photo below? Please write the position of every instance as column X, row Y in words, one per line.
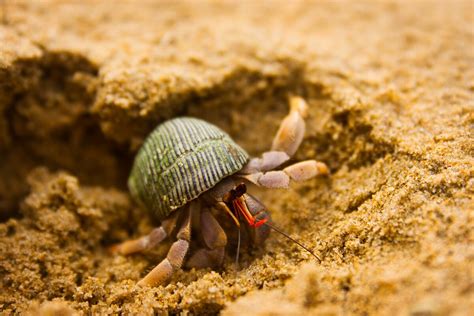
column 181, row 159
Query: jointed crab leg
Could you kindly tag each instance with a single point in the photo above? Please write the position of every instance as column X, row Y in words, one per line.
column 305, row 170
column 174, row 260
column 300, row 171
column 270, row 160
column 286, row 142
column 149, row 241
column 215, row 239
column 292, row 128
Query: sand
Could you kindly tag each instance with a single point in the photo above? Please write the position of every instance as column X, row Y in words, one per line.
column 390, row 86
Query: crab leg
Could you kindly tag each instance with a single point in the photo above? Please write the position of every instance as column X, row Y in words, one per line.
column 174, row 260
column 270, row 160
column 286, row 142
column 300, row 171
column 215, row 240
column 146, row 242
column 292, row 128
column 306, row 170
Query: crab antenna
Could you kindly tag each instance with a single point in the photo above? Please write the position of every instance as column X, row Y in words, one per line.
column 293, row 240
column 238, row 250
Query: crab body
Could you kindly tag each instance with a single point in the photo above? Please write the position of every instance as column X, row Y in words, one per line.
column 187, row 170
column 181, row 159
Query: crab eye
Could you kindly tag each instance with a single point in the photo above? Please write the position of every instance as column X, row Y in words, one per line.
column 240, row 189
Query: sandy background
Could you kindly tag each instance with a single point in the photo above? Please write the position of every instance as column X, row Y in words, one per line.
column 390, row 87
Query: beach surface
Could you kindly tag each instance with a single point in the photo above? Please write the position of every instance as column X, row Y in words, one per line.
column 390, row 89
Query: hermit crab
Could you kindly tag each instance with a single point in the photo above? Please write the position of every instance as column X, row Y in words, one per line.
column 187, row 170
